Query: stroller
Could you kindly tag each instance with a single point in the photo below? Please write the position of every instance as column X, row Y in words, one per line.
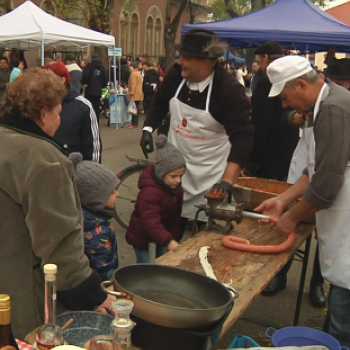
column 104, row 103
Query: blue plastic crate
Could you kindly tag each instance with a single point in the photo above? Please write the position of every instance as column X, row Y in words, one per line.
column 242, row 341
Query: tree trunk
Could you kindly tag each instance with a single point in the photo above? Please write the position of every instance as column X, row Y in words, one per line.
column 229, row 9
column 169, row 41
column 170, row 30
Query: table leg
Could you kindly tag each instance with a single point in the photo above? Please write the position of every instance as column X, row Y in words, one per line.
column 302, row 280
column 122, row 110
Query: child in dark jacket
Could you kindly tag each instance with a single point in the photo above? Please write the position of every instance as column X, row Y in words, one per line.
column 157, row 213
column 97, row 190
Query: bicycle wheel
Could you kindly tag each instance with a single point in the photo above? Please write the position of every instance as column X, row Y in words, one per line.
column 128, row 191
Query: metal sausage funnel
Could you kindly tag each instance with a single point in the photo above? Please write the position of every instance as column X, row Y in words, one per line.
column 218, row 207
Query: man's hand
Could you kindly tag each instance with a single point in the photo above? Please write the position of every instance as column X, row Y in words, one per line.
column 271, row 207
column 286, row 224
column 146, row 143
column 223, row 187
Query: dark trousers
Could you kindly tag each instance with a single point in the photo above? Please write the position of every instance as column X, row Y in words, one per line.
column 337, row 321
column 96, row 102
column 316, row 270
column 147, row 98
column 135, row 118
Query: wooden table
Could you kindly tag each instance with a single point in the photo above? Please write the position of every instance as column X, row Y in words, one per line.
column 248, row 273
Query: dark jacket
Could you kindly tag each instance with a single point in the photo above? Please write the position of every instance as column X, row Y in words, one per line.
column 79, row 130
column 150, row 77
column 124, row 74
column 95, row 77
column 157, row 213
column 100, row 242
column 229, row 105
column 274, row 139
column 76, row 75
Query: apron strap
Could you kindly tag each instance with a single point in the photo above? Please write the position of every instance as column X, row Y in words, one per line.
column 179, row 88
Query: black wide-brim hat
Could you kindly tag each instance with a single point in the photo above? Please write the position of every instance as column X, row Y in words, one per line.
column 338, row 68
column 269, row 48
column 200, row 43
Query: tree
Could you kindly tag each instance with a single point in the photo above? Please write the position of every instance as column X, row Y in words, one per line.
column 5, row 6
column 170, row 29
column 97, row 13
column 223, row 9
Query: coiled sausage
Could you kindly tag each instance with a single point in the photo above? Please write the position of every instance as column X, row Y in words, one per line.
column 245, row 246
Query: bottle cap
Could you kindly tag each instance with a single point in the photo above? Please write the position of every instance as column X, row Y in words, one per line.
column 4, row 301
column 50, row 271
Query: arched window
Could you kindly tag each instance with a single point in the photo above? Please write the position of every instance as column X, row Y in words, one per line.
column 124, row 32
column 157, row 38
column 49, row 7
column 149, row 36
column 134, row 34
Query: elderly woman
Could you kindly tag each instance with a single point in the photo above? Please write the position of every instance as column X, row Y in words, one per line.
column 40, row 216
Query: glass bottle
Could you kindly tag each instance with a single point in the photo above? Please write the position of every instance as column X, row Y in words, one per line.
column 122, row 324
column 7, row 340
column 49, row 335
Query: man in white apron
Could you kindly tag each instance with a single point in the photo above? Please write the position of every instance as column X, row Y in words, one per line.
column 210, row 118
column 324, row 188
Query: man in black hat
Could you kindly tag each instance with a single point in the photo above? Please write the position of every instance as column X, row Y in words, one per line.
column 338, row 71
column 210, row 119
column 274, row 139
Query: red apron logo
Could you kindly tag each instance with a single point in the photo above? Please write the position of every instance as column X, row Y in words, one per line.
column 184, row 122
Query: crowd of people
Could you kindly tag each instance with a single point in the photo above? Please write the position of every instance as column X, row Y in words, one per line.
column 58, row 200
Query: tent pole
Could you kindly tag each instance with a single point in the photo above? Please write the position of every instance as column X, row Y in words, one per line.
column 116, row 90
column 114, row 70
column 42, row 53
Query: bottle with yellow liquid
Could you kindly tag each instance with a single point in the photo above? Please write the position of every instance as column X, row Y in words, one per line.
column 7, row 340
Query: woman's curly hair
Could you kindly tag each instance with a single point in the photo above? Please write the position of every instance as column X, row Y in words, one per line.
column 36, row 89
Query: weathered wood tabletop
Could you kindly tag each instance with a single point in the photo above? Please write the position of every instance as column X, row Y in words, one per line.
column 248, row 273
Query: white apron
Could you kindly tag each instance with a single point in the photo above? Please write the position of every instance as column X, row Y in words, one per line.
column 333, row 226
column 205, row 146
column 299, row 161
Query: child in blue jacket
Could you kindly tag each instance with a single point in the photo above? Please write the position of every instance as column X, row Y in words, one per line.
column 97, row 190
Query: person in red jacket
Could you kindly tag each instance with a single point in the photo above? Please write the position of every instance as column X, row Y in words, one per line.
column 157, row 213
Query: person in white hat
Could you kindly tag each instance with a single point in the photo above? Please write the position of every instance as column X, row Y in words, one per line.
column 324, row 187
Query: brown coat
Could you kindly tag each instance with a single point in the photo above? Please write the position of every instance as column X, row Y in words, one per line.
column 40, row 222
column 135, row 85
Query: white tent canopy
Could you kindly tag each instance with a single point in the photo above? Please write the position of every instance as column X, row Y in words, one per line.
column 28, row 27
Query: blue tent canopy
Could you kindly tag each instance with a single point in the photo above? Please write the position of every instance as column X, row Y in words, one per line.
column 295, row 24
column 231, row 58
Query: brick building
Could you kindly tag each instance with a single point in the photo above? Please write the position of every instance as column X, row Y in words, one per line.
column 139, row 30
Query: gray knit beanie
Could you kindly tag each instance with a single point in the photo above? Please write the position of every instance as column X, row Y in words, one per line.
column 95, row 182
column 168, row 157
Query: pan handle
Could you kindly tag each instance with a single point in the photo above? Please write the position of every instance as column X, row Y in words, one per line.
column 233, row 291
column 269, row 330
column 121, row 295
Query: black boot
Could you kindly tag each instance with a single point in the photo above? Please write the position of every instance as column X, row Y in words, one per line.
column 278, row 283
column 316, row 295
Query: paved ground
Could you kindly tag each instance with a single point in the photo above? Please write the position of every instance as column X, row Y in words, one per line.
column 277, row 311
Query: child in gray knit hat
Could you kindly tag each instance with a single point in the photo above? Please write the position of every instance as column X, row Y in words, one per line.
column 97, row 190
column 157, row 213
